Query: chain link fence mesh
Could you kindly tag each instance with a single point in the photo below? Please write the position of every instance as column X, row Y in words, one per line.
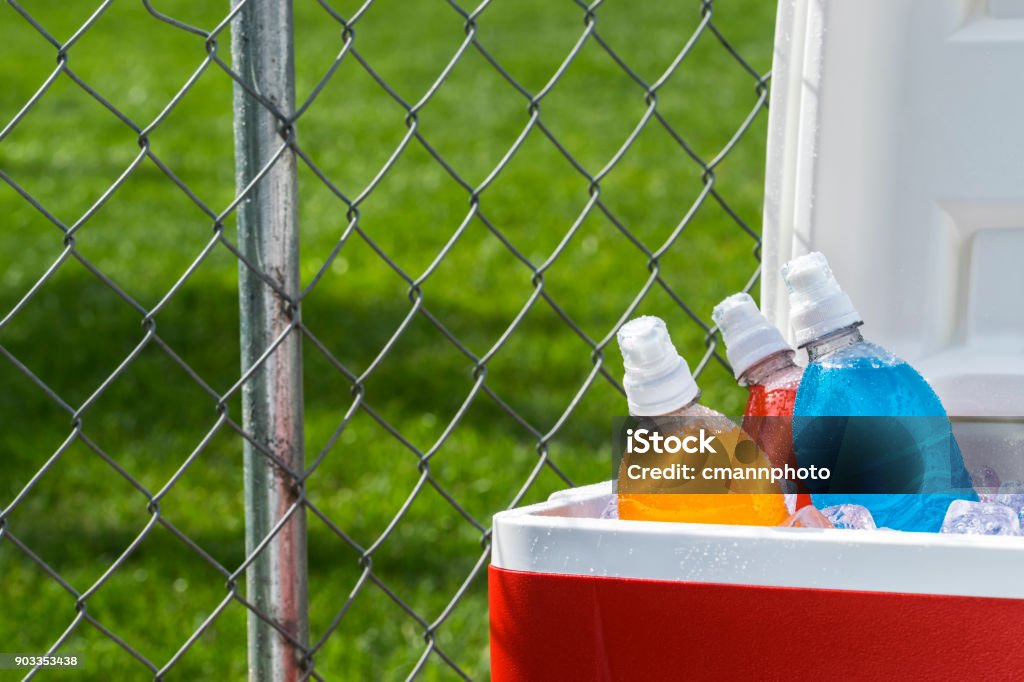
column 485, row 194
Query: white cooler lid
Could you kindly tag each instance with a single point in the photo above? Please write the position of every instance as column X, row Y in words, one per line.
column 902, row 160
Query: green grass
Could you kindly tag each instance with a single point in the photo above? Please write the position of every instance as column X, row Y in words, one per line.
column 81, row 515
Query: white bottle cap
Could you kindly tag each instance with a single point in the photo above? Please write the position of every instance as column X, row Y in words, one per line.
column 749, row 336
column 657, row 380
column 817, row 306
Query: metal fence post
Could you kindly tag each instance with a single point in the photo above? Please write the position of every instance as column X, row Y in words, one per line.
column 263, row 55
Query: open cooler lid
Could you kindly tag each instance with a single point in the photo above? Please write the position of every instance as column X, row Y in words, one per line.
column 901, row 158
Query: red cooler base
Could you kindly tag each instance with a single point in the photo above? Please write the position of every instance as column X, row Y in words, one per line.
column 565, row 627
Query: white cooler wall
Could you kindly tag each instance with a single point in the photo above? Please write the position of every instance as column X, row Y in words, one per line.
column 896, row 147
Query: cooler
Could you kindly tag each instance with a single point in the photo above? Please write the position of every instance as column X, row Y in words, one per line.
column 895, row 148
column 576, row 597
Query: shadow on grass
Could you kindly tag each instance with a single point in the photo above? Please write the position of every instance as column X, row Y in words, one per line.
column 82, row 514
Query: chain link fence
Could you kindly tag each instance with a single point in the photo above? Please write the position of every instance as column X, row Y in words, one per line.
column 443, row 215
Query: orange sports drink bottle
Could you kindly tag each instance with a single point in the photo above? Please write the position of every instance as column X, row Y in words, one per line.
column 661, row 391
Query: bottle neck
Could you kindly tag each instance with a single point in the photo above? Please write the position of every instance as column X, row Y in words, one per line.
column 764, row 370
column 682, row 409
column 837, row 340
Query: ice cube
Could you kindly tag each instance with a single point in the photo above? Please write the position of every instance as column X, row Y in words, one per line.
column 986, row 482
column 807, row 517
column 611, row 510
column 980, row 518
column 1011, row 493
column 851, row 516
